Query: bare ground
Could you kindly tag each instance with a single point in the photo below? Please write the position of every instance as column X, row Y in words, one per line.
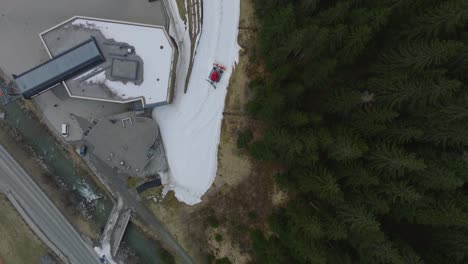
column 181, row 7
column 18, row 244
column 243, row 194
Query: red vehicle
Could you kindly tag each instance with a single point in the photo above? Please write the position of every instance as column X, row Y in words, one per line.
column 216, row 74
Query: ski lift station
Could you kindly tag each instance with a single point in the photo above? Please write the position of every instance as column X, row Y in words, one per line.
column 105, row 60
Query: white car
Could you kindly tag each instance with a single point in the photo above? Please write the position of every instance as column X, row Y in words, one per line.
column 65, row 130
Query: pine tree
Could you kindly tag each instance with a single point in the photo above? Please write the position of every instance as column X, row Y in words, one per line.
column 294, row 92
column 439, row 178
column 381, row 252
column 276, row 29
column 372, row 198
column 335, row 230
column 453, row 242
column 445, row 19
column 357, row 176
column 402, row 133
column 343, row 101
column 450, row 135
column 297, row 119
column 314, row 43
column 394, row 160
column 301, row 222
column 446, row 211
column 261, row 151
column 407, row 253
column 424, row 88
column 317, row 74
column 339, row 258
column 336, row 14
column 422, row 55
column 361, row 223
column 455, row 109
column 321, row 183
column 401, row 192
column 372, row 121
column 355, row 43
column 347, row 146
column 445, row 172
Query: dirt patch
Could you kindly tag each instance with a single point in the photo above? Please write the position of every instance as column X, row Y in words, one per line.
column 181, row 8
column 18, row 244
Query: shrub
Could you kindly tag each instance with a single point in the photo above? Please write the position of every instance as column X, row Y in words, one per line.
column 244, row 138
column 224, row 260
column 212, row 221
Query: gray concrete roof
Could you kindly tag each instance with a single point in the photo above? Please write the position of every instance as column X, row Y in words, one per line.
column 124, row 141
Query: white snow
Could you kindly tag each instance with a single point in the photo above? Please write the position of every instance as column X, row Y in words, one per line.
column 191, row 125
column 157, row 61
column 105, row 250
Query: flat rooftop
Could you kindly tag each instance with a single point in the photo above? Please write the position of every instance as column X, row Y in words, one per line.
column 126, row 142
column 139, row 60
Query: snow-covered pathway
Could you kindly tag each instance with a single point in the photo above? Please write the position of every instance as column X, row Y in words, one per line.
column 191, row 125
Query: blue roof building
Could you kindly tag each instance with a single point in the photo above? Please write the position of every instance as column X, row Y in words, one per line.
column 60, row 68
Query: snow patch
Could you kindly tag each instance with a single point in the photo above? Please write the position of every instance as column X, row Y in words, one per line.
column 105, row 250
column 191, row 126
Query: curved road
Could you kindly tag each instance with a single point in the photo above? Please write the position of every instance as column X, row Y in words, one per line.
column 37, row 209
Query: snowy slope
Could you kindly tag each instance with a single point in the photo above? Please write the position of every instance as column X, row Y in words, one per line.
column 191, row 125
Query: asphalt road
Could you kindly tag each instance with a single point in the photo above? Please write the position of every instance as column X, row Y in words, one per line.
column 42, row 212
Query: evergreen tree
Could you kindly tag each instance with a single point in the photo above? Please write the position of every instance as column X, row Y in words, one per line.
column 355, row 43
column 321, row 183
column 422, row 55
column 401, row 192
column 363, row 225
column 347, row 146
column 444, row 19
column 402, row 133
column 394, row 160
column 343, row 101
column 453, row 242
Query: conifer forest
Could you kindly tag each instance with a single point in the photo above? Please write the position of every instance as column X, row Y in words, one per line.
column 366, row 106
